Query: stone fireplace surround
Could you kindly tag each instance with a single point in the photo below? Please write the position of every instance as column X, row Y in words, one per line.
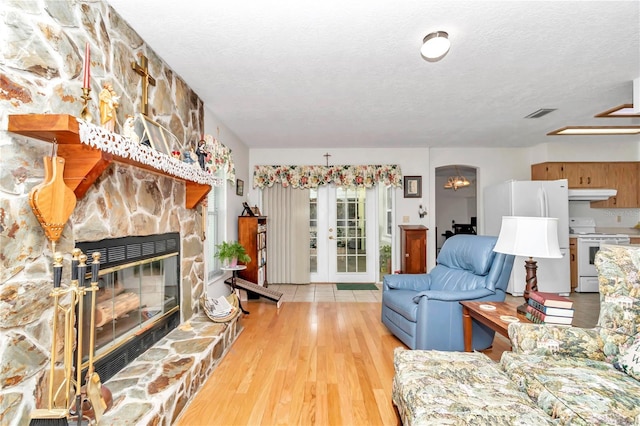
column 124, row 201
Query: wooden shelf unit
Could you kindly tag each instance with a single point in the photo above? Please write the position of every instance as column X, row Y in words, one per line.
column 252, row 234
column 84, row 164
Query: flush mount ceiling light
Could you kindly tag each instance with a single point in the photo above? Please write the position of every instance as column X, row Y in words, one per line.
column 622, row 111
column 626, row 110
column 595, row 130
column 435, row 46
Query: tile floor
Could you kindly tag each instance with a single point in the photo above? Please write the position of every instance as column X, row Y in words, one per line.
column 325, row 293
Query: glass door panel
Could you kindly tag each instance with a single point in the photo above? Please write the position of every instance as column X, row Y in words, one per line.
column 342, row 225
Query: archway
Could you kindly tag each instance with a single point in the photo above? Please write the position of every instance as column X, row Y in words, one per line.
column 456, row 207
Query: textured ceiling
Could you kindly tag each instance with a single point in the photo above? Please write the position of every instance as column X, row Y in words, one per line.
column 289, row 74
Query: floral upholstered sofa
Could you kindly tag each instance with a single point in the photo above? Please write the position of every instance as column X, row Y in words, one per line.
column 571, row 375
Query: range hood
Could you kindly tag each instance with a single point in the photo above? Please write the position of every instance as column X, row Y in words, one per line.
column 591, row 194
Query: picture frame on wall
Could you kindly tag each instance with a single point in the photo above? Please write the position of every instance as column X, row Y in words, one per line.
column 239, row 187
column 413, row 187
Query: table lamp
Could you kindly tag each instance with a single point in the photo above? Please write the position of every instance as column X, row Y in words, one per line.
column 530, row 237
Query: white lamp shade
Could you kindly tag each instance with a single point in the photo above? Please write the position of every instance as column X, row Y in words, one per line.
column 529, row 236
column 435, row 45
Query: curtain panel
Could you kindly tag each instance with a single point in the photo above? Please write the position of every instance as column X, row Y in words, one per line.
column 365, row 176
column 288, row 234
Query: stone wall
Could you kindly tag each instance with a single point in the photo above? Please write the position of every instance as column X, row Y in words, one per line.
column 41, row 72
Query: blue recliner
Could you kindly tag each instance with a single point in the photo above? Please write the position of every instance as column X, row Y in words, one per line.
column 422, row 310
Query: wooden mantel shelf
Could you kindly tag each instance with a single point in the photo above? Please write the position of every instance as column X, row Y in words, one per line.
column 84, row 164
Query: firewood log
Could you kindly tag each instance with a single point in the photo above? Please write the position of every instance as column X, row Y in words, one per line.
column 107, row 293
column 122, row 303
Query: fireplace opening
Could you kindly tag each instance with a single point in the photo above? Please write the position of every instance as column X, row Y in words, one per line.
column 138, row 301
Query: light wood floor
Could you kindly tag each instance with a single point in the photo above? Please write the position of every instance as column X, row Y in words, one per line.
column 321, row 363
column 315, row 363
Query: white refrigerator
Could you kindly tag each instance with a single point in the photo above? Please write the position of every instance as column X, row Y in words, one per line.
column 533, row 198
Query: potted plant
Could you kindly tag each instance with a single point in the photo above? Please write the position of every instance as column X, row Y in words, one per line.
column 230, row 253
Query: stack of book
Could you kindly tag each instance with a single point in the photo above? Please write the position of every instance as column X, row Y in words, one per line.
column 549, row 308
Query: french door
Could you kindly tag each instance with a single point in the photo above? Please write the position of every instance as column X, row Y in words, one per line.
column 343, row 240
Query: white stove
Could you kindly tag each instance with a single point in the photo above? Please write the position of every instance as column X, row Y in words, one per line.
column 588, row 244
column 586, row 227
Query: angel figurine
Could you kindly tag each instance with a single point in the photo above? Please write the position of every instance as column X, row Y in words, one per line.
column 129, row 129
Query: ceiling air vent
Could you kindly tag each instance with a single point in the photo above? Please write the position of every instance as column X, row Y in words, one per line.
column 540, row 113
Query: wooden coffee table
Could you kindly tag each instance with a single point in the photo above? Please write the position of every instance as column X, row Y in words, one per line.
column 490, row 318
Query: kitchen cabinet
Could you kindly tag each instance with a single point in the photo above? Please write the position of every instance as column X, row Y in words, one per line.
column 547, row 171
column 413, row 249
column 622, row 176
column 579, row 174
column 573, row 262
column 586, row 175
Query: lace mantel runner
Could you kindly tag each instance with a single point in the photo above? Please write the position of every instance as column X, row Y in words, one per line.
column 120, row 146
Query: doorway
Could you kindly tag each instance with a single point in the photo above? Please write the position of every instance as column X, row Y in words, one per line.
column 456, row 206
column 343, row 234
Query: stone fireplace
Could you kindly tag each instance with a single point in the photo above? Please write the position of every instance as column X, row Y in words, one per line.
column 148, row 228
column 123, row 199
column 138, row 298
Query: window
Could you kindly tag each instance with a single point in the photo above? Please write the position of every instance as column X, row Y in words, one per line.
column 313, row 230
column 216, row 215
column 388, row 206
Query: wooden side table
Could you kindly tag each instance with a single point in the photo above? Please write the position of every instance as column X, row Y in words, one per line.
column 489, row 317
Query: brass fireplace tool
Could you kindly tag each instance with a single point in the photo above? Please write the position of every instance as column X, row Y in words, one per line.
column 80, row 292
column 52, row 415
column 93, row 399
column 97, row 398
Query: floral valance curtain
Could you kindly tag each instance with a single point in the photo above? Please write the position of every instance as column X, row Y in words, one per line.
column 314, row 176
column 219, row 157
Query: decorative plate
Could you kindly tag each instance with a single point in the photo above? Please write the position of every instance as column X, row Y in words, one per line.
column 509, row 318
column 487, row 307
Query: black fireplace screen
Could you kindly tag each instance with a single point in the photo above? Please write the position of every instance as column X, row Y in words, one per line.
column 138, row 298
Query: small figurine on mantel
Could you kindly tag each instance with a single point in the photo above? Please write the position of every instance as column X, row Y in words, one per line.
column 189, row 155
column 201, row 152
column 108, row 105
column 129, row 129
